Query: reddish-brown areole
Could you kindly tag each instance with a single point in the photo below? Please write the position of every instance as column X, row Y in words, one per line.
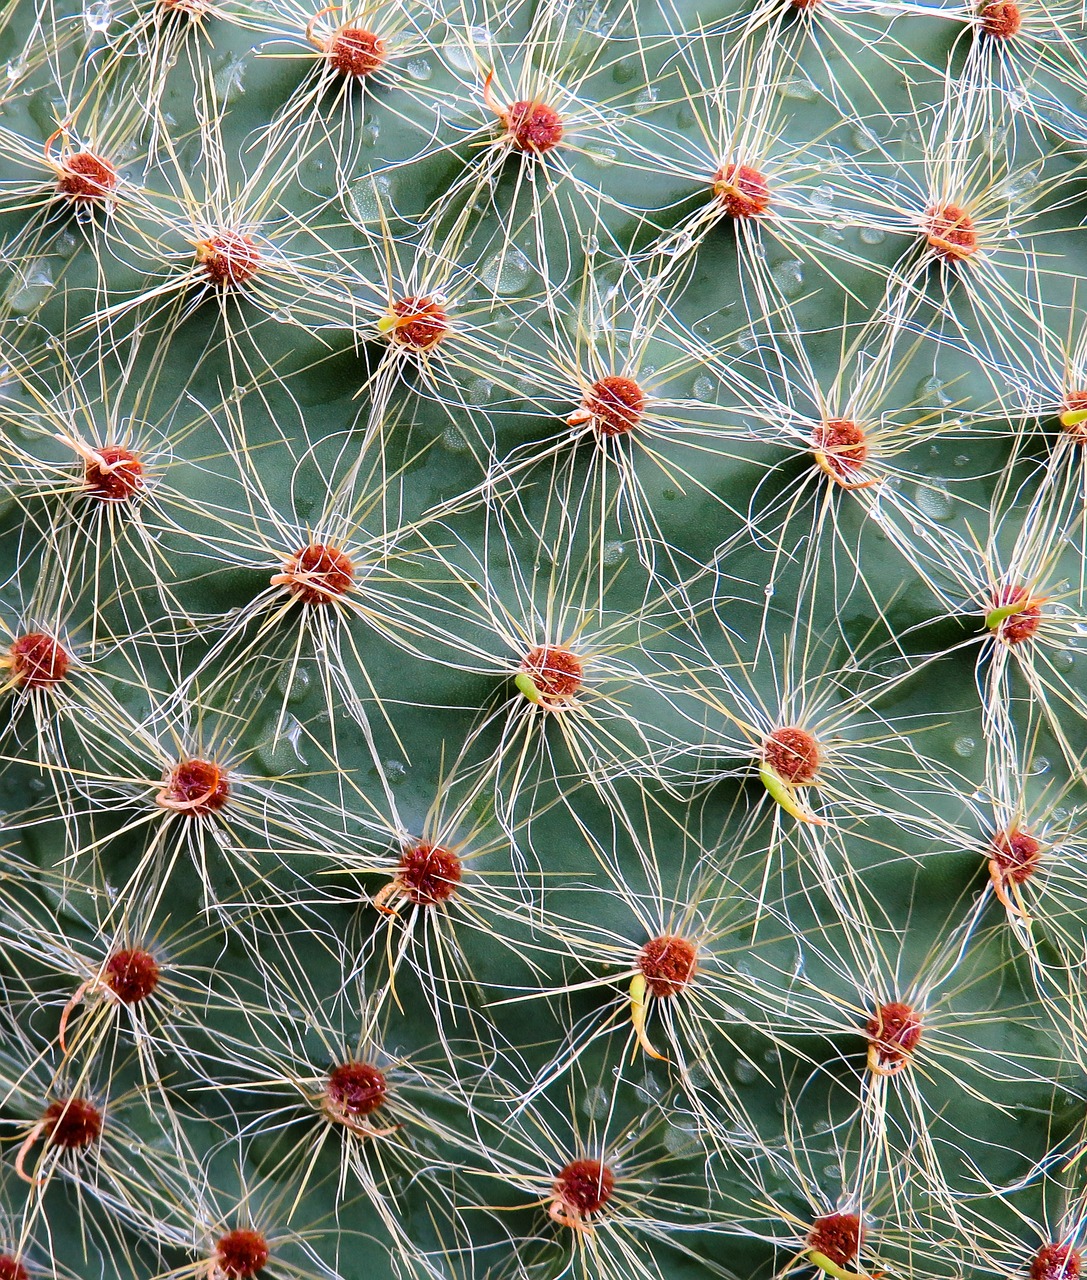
column 229, row 258
column 12, row 1269
column 843, row 445
column 85, row 178
column 837, row 1236
column 1076, row 402
column 613, row 405
column 950, row 232
column 1056, row 1262
column 132, row 975
column 196, row 787
column 533, row 127
column 741, row 191
column 1016, row 854
column 355, row 1090
column 556, row 673
column 241, row 1254
column 428, row 874
column 668, row 963
column 1000, row 19
column 114, row 475
column 37, row 661
column 72, row 1123
column 317, row 574
column 356, row 52
column 894, row 1031
column 1024, row 623
column 584, row 1187
column 793, row 754
column 419, row 323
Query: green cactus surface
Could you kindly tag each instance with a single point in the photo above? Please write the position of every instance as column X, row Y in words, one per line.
column 543, row 580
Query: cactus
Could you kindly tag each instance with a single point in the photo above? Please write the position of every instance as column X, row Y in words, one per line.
column 543, row 639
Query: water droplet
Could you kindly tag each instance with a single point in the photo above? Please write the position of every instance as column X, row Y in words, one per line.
column 31, row 287
column 799, row 89
column 294, row 690
column 595, row 1102
column 936, row 503
column 613, row 553
column 454, row 440
column 745, row 1071
column 789, row 277
column 395, row 770
column 366, row 195
column 98, row 15
column 419, row 69
column 872, row 235
column 1064, row 659
column 458, row 51
column 479, row 391
column 507, row 272
column 704, row 389
column 964, row 747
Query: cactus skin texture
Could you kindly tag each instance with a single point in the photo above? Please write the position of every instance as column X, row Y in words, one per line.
column 544, row 619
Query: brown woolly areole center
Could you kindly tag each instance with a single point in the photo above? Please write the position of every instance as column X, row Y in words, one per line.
column 668, row 963
column 950, row 232
column 793, row 754
column 1076, row 402
column 418, row 323
column 241, row 1254
column 317, row 574
column 1016, row 854
column 1025, row 622
column 132, row 975
column 85, row 178
column 1056, row 1262
column 613, row 405
column 741, row 191
column 72, row 1123
column 354, row 1090
column 12, row 1269
column 894, row 1031
column 556, row 672
column 842, row 443
column 37, row 661
column 229, row 258
column 837, row 1236
column 428, row 874
column 195, row 787
column 356, row 52
column 584, row 1186
column 532, row 127
column 1000, row 19
column 114, row 474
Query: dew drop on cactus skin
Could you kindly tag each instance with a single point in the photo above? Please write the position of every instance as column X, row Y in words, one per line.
column 12, row 1269
column 1000, row 19
column 950, row 232
column 116, row 475
column 356, row 52
column 317, row 574
column 894, row 1031
column 556, row 673
column 417, row 323
column 37, row 661
column 229, row 258
column 668, row 963
column 837, row 1236
column 132, row 975
column 240, row 1255
column 72, row 1123
column 85, row 178
column 354, row 1090
column 741, row 191
column 428, row 874
column 1056, row 1262
column 195, row 787
column 584, row 1187
column 613, row 405
column 793, row 754
column 842, row 444
column 1023, row 623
